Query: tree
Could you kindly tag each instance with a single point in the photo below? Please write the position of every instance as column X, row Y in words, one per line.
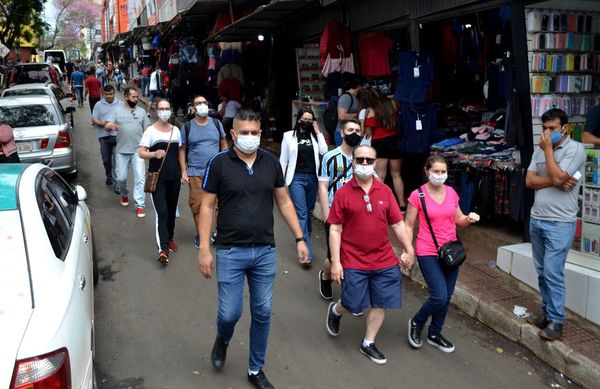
column 71, row 17
column 15, row 15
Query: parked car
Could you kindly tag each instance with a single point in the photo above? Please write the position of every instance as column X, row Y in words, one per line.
column 39, row 89
column 47, row 275
column 42, row 131
column 30, row 73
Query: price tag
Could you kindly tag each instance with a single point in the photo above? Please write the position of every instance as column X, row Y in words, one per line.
column 419, row 125
column 416, row 72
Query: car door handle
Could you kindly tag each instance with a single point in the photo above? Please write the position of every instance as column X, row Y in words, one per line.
column 85, row 238
column 82, row 282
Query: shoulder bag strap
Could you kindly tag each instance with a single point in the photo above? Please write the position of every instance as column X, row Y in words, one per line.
column 422, row 198
column 166, row 152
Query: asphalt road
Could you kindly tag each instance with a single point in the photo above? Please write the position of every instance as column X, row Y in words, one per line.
column 155, row 326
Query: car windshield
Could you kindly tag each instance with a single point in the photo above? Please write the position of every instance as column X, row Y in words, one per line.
column 31, row 73
column 29, row 115
column 26, row 92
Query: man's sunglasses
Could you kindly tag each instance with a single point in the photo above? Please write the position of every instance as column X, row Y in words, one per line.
column 361, row 160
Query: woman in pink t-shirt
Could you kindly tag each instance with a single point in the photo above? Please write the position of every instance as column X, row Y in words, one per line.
column 445, row 214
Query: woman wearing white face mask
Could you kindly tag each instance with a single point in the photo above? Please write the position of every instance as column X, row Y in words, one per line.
column 441, row 203
column 160, row 144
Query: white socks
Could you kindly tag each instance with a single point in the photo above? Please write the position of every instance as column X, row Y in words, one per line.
column 335, row 311
column 367, row 343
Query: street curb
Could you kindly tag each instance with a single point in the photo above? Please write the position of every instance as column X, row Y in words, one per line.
column 557, row 354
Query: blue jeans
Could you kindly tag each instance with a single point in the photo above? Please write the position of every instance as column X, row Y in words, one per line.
column 145, row 85
column 303, row 191
column 550, row 243
column 79, row 94
column 258, row 265
column 138, row 166
column 440, row 282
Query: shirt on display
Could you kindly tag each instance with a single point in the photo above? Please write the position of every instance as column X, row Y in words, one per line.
column 374, row 55
column 335, row 41
column 418, row 123
column 415, row 76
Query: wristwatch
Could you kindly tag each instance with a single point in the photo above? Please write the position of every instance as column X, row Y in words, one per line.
column 301, row 239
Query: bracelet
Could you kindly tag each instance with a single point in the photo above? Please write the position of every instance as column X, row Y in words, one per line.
column 301, row 239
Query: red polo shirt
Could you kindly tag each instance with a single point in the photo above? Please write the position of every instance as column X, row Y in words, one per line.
column 365, row 241
column 93, row 86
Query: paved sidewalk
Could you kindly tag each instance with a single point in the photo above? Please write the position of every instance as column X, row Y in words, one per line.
column 488, row 294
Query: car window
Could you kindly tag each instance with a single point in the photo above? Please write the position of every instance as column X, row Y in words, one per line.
column 26, row 92
column 64, row 193
column 58, row 93
column 55, row 221
column 27, row 75
column 29, row 115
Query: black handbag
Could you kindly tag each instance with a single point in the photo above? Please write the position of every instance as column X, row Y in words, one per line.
column 451, row 254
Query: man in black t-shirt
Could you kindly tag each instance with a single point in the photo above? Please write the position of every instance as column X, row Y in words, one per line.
column 244, row 179
column 591, row 133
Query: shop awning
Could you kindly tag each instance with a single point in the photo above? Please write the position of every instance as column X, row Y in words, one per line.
column 189, row 20
column 264, row 19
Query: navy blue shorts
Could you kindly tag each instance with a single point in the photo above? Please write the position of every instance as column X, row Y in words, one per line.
column 362, row 289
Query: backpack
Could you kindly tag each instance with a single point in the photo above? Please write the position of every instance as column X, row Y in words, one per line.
column 187, row 126
column 330, row 116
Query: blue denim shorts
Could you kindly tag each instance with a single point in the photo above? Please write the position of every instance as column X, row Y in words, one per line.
column 362, row 289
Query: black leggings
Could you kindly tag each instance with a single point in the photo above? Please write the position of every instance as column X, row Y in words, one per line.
column 164, row 200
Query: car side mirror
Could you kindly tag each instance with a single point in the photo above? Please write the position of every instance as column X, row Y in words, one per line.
column 70, row 109
column 81, row 193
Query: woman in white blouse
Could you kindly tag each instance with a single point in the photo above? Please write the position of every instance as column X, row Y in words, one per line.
column 300, row 154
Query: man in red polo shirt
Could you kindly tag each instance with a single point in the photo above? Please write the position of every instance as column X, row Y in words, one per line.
column 91, row 87
column 362, row 258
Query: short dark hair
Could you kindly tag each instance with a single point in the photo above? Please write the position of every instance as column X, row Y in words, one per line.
column 353, row 82
column 555, row 113
column 344, row 123
column 247, row 115
column 128, row 90
column 197, row 96
column 108, row 88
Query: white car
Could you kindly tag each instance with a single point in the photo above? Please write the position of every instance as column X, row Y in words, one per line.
column 47, row 281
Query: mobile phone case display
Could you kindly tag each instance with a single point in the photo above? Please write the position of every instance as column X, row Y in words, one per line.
column 310, row 79
column 590, row 211
column 564, row 61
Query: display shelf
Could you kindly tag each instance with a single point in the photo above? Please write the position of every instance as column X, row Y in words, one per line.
column 571, row 51
column 310, row 80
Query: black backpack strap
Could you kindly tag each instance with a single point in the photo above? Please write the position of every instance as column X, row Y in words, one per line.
column 422, row 198
column 186, row 129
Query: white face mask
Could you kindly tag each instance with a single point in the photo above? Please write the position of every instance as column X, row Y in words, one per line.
column 247, row 144
column 437, row 179
column 164, row 115
column 364, row 171
column 202, row 110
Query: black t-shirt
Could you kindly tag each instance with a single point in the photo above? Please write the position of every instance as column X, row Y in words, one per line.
column 245, row 197
column 306, row 154
column 592, row 124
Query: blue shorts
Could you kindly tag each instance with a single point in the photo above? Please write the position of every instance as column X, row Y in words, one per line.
column 362, row 289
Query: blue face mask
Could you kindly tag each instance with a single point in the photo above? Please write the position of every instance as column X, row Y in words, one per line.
column 555, row 137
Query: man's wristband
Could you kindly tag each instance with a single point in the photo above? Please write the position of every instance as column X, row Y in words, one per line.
column 301, row 239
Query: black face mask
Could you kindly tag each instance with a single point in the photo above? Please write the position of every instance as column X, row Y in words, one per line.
column 353, row 139
column 306, row 126
column 131, row 104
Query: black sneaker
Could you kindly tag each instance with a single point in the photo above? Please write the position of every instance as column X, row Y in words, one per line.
column 260, row 380
column 414, row 334
column 373, row 354
column 325, row 287
column 218, row 354
column 333, row 321
column 553, row 331
column 440, row 342
column 540, row 321
column 108, row 181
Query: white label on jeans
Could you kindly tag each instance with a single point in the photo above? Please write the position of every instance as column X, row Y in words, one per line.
column 419, row 125
column 416, row 72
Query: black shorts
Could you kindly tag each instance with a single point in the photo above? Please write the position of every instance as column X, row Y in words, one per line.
column 387, row 148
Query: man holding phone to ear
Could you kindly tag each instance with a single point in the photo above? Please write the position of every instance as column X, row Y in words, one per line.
column 554, row 174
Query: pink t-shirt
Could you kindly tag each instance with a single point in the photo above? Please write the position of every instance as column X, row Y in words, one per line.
column 442, row 220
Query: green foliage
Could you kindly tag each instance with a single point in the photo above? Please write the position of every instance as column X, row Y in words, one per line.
column 21, row 19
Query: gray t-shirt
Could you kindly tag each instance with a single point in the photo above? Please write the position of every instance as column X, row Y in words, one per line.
column 131, row 127
column 554, row 203
column 203, row 144
column 349, row 102
column 103, row 111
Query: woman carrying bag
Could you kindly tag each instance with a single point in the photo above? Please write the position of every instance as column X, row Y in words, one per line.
column 160, row 144
column 438, row 203
column 300, row 151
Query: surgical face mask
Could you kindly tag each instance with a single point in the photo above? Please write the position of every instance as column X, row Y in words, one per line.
column 164, row 115
column 364, row 171
column 202, row 110
column 353, row 139
column 247, row 144
column 437, row 179
column 556, row 136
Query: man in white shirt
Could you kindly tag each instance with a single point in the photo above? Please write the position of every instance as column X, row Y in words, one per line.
column 227, row 110
column 156, row 88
